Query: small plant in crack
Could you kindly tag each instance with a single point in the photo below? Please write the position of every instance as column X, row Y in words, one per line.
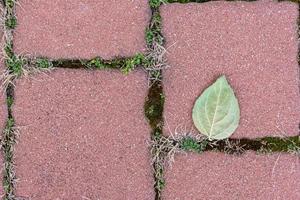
column 156, row 3
column 9, row 136
column 15, row 64
column 281, row 144
column 131, row 63
column 190, row 144
column 8, row 49
column 155, row 62
column 11, row 22
column 234, row 147
column 10, row 3
column 149, row 36
column 293, row 149
column 162, row 150
column 14, row 69
column 95, row 63
column 43, row 63
column 9, row 101
column 153, row 32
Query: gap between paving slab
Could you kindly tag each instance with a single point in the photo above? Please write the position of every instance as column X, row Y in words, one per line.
column 81, row 29
column 220, row 177
column 3, row 113
column 82, row 135
column 3, row 118
column 254, row 44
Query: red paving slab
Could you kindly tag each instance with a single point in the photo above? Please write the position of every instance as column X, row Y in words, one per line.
column 254, row 44
column 81, row 29
column 82, row 136
column 220, row 177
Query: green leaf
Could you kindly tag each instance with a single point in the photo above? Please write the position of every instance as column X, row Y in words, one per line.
column 216, row 112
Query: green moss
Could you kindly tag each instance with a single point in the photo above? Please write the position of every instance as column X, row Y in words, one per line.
column 154, row 106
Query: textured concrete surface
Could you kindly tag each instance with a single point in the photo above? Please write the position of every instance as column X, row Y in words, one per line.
column 253, row 44
column 83, row 136
column 81, row 29
column 220, row 177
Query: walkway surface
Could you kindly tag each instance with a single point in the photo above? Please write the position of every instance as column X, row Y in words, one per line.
column 97, row 99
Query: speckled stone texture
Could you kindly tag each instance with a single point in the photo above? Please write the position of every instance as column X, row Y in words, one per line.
column 83, row 136
column 223, row 177
column 253, row 44
column 81, row 28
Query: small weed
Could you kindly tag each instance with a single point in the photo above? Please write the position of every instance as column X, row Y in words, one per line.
column 153, row 32
column 8, row 49
column 9, row 136
column 95, row 63
column 281, row 144
column 11, row 22
column 190, row 144
column 10, row 3
column 293, row 149
column 131, row 63
column 156, row 3
column 15, row 64
column 162, row 150
column 9, row 101
column 43, row 63
column 149, row 36
column 160, row 183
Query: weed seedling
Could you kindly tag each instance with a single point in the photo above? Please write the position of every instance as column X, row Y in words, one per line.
column 43, row 63
column 10, row 3
column 96, row 63
column 15, row 64
column 156, row 3
column 189, row 144
column 11, row 22
column 131, row 63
